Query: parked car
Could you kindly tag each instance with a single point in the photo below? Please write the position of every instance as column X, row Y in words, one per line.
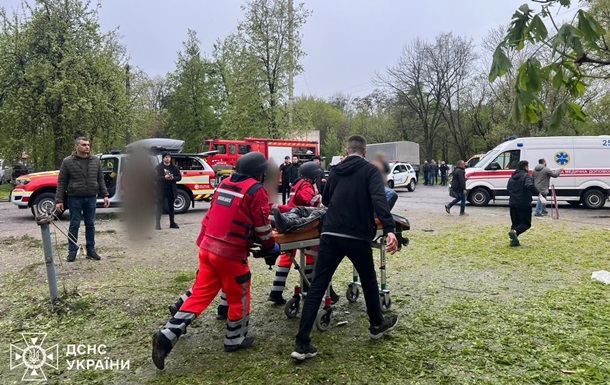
column 197, row 184
column 402, row 175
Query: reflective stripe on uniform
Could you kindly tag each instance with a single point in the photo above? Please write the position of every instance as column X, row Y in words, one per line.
column 235, row 194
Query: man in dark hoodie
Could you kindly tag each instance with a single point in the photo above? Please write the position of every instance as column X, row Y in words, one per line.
column 520, row 188
column 354, row 191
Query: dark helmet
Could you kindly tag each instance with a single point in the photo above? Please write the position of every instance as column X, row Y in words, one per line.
column 309, row 170
column 252, row 164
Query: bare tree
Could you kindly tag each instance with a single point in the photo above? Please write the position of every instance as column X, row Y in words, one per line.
column 410, row 80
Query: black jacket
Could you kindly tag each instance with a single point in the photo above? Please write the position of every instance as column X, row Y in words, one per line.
column 165, row 186
column 285, row 173
column 521, row 188
column 458, row 183
column 353, row 193
column 294, row 172
column 443, row 169
column 80, row 177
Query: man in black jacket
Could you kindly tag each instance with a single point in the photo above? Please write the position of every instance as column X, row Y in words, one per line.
column 353, row 192
column 80, row 181
column 443, row 169
column 294, row 170
column 458, row 188
column 167, row 176
column 520, row 188
column 285, row 176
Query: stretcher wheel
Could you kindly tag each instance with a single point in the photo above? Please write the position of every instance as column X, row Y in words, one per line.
column 386, row 302
column 352, row 293
column 291, row 309
column 323, row 320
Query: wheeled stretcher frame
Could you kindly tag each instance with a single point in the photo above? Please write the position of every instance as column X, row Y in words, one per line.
column 324, row 317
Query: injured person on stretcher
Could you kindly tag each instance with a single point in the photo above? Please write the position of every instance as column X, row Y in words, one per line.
column 304, row 222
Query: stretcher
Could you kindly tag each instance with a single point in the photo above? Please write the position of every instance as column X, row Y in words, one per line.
column 309, row 236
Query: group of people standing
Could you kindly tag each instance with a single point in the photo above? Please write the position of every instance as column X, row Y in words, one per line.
column 432, row 171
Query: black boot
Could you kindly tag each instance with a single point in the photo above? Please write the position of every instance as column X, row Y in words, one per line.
column 161, row 347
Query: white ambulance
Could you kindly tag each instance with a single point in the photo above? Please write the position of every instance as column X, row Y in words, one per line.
column 585, row 161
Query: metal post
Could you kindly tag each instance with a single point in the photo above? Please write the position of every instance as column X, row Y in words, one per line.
column 48, row 260
column 43, row 220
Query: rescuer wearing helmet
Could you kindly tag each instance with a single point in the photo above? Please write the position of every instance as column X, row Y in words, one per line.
column 239, row 213
column 303, row 193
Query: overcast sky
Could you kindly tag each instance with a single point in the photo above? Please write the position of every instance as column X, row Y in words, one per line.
column 346, row 41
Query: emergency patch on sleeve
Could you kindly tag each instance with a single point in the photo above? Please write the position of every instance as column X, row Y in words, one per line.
column 225, row 199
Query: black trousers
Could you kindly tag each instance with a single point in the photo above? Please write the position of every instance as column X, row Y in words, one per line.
column 331, row 252
column 167, row 197
column 521, row 218
column 285, row 193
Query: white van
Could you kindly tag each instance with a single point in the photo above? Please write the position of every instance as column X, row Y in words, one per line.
column 585, row 161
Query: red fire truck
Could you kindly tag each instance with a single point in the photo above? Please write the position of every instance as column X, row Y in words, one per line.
column 226, row 152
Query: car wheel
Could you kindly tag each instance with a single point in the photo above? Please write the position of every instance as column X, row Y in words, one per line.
column 411, row 186
column 44, row 202
column 479, row 197
column 182, row 202
column 391, row 184
column 594, row 199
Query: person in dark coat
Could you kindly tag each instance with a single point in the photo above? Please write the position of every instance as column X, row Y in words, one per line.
column 167, row 190
column 458, row 188
column 80, row 182
column 443, row 169
column 294, row 170
column 321, row 181
column 354, row 192
column 285, row 176
column 521, row 188
column 426, row 173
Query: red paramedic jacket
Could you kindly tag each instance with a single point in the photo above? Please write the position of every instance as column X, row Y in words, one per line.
column 238, row 215
column 302, row 194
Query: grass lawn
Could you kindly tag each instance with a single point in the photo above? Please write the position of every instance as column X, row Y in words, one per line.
column 5, row 190
column 472, row 311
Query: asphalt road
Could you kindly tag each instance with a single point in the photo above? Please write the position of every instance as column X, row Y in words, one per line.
column 426, row 199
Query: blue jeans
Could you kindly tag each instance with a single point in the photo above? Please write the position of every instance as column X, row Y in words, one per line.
column 540, row 208
column 82, row 208
column 391, row 196
column 459, row 197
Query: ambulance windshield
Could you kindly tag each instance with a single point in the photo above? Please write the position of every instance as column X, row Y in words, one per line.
column 490, row 155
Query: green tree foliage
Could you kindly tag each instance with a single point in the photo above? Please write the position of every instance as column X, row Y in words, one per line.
column 192, row 103
column 270, row 33
column 572, row 54
column 61, row 78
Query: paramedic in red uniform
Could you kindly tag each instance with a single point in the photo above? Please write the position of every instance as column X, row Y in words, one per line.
column 239, row 213
column 303, row 193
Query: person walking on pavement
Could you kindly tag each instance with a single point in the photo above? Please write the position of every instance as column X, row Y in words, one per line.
column 520, row 188
column 542, row 178
column 285, row 176
column 81, row 181
column 458, row 188
column 239, row 214
column 167, row 190
column 443, row 170
column 346, row 231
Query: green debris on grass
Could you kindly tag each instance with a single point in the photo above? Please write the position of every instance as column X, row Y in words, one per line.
column 473, row 311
